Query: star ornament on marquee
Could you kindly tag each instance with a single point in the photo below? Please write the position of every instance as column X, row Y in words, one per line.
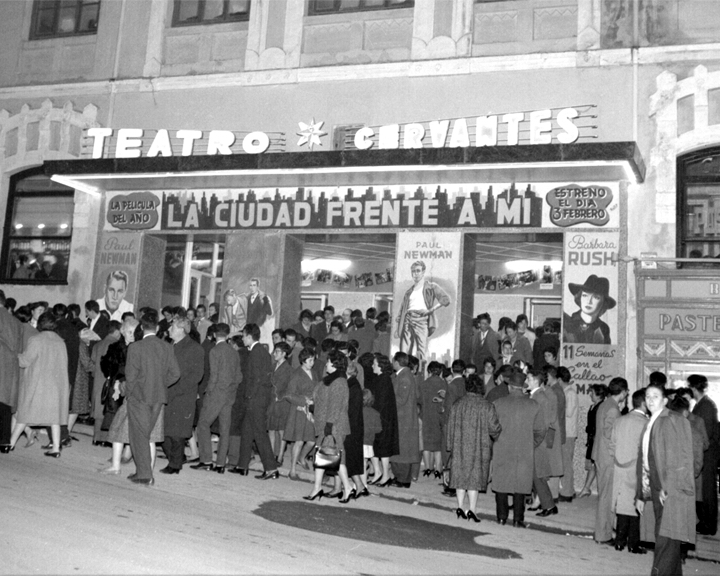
column 310, row 133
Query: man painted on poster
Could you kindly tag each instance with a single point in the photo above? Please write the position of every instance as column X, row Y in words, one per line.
column 593, row 299
column 416, row 321
column 113, row 300
column 252, row 307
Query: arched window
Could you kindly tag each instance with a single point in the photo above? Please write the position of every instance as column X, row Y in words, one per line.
column 698, row 186
column 38, row 230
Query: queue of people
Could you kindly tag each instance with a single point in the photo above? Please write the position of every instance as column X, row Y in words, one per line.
column 507, row 421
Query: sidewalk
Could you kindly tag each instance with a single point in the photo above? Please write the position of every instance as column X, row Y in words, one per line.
column 575, row 519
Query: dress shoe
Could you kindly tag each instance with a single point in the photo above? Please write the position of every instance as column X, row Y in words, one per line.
column 565, row 498
column 132, row 476
column 47, row 446
column 619, row 547
column 548, row 512
column 397, row 484
column 350, row 496
column 274, row 475
column 472, row 516
column 66, row 443
column 637, row 550
column 170, row 470
column 191, row 460
column 460, row 513
column 110, row 471
column 334, row 495
column 519, row 524
column 52, row 454
column 219, row 469
column 317, row 495
column 238, row 470
column 385, row 484
column 6, row 449
column 502, row 521
column 143, row 481
column 207, row 466
column 427, row 472
column 294, row 477
column 534, row 508
column 450, row 492
column 102, row 444
column 610, row 542
column 363, row 492
column 438, row 474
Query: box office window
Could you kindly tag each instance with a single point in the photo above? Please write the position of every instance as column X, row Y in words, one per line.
column 699, row 205
column 38, row 232
column 56, row 18
column 317, row 7
column 192, row 12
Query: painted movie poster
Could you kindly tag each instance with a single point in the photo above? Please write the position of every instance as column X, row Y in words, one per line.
column 425, row 295
column 590, row 292
column 116, row 273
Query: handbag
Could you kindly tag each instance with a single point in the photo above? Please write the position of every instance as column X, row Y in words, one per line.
column 106, row 396
column 327, row 455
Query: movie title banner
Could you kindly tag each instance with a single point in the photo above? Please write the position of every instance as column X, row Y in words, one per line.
column 504, row 205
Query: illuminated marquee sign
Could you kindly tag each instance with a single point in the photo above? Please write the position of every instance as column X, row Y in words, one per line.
column 548, row 126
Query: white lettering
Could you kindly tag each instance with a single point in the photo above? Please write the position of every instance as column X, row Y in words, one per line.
column 460, row 137
column 98, row 135
column 363, row 138
column 128, row 143
column 540, row 127
column 413, row 135
column 486, row 131
column 438, row 132
column 513, row 122
column 160, row 145
column 389, row 136
column 565, row 121
column 219, row 142
column 256, row 143
column 188, row 137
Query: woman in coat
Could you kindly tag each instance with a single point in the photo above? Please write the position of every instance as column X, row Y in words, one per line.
column 299, row 426
column 430, row 406
column 44, row 394
column 387, row 443
column 279, row 408
column 665, row 476
column 473, row 425
column 331, row 419
column 598, row 393
column 354, row 460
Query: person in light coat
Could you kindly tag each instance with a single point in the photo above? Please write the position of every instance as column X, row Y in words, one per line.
column 625, row 444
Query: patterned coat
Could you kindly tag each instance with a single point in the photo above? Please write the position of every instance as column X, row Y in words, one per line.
column 472, row 427
column 331, row 405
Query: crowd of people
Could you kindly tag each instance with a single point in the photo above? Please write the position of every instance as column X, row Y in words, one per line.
column 505, row 419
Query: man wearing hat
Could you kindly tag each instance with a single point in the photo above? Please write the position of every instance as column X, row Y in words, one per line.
column 593, row 299
column 523, row 430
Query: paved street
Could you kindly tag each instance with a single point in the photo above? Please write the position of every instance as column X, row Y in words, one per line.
column 62, row 517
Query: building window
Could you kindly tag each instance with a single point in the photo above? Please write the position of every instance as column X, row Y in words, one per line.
column 698, row 178
column 317, row 7
column 191, row 12
column 38, row 231
column 57, row 18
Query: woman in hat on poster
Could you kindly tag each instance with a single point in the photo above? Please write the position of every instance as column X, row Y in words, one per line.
column 585, row 326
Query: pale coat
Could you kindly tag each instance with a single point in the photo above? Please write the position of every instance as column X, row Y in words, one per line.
column 472, row 427
column 11, row 344
column 671, row 445
column 523, row 429
column 407, row 399
column 44, row 385
column 625, row 443
column 548, row 459
column 331, row 405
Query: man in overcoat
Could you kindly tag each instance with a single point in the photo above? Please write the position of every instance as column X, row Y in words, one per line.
column 257, row 387
column 225, row 377
column 625, row 445
column 523, row 430
column 180, row 411
column 407, row 399
column 602, row 455
column 486, row 342
column 10, row 347
column 150, row 368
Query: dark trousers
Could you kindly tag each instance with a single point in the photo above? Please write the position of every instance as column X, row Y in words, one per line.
column 502, row 510
column 254, row 429
column 708, row 512
column 174, row 449
column 627, row 532
column 543, row 491
column 215, row 405
column 5, row 423
column 141, row 421
column 667, row 559
column 402, row 472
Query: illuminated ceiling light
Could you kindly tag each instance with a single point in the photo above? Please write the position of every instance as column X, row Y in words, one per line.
column 523, row 265
column 63, row 226
column 41, row 226
column 18, row 226
column 325, row 264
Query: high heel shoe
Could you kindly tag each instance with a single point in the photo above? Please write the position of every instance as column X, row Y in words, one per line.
column 386, row 483
column 438, row 474
column 427, row 472
column 461, row 513
column 318, row 495
column 53, row 454
column 363, row 492
column 6, row 448
column 471, row 516
column 350, row 496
